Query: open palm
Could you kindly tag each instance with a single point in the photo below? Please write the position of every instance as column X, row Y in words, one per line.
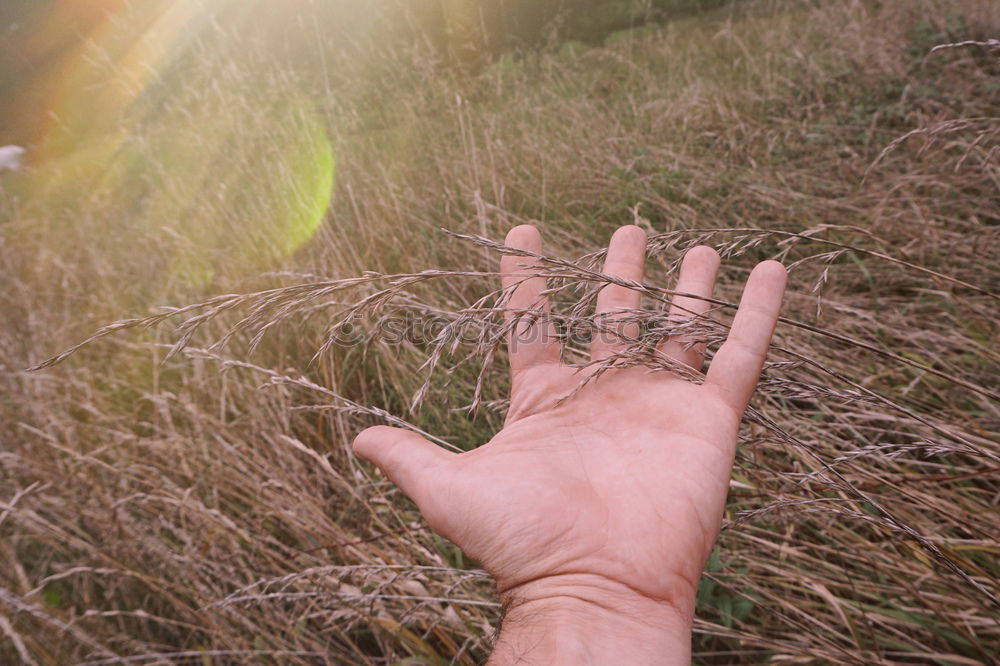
column 621, row 486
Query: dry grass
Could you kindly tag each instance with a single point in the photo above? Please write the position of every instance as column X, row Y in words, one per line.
column 167, row 499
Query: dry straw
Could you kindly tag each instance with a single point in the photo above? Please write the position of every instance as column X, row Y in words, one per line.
column 180, row 486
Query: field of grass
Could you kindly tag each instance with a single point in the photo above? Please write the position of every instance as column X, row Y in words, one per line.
column 182, row 489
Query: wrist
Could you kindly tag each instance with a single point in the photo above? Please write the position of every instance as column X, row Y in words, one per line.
column 584, row 618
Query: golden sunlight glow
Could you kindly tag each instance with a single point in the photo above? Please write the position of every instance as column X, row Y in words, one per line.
column 167, row 109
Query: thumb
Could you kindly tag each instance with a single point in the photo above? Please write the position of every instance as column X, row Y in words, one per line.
column 410, row 461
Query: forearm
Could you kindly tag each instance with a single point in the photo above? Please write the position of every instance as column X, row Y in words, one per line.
column 579, row 623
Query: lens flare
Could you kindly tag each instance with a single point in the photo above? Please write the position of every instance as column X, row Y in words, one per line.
column 193, row 144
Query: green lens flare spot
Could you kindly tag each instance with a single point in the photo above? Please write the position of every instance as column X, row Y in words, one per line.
column 310, row 186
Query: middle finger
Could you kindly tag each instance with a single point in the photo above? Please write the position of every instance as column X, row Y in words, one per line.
column 625, row 259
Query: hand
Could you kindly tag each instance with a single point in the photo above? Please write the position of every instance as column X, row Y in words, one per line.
column 596, row 514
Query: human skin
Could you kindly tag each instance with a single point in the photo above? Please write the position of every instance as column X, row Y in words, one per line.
column 596, row 514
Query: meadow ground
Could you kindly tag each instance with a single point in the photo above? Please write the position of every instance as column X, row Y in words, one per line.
column 199, row 503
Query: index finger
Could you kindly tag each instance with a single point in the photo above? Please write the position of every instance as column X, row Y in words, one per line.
column 736, row 367
column 532, row 340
